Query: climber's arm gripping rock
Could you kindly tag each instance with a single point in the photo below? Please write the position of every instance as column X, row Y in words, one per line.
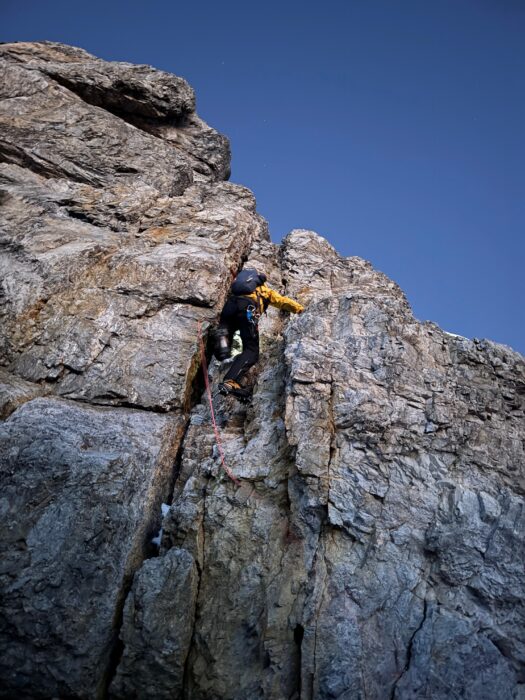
column 280, row 301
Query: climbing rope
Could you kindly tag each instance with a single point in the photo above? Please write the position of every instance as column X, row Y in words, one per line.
column 204, row 364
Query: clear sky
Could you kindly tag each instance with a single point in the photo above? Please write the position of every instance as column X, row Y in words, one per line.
column 396, row 129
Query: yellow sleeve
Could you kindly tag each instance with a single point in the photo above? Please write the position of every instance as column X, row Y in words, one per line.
column 281, row 302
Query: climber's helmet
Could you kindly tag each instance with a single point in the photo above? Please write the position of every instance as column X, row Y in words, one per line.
column 247, row 281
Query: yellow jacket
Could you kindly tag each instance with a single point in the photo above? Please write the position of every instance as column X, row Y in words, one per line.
column 263, row 296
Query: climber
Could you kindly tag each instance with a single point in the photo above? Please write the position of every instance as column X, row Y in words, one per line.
column 249, row 298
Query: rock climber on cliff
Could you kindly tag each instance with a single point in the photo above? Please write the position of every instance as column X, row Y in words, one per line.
column 248, row 300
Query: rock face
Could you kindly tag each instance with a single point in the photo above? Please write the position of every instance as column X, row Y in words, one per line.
column 375, row 546
column 80, row 489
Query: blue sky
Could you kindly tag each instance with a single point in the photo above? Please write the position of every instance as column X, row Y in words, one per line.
column 394, row 129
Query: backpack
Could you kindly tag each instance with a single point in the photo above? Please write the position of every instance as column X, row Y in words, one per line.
column 238, row 308
column 247, row 281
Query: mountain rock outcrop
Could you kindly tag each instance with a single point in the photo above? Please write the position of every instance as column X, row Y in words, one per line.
column 374, row 547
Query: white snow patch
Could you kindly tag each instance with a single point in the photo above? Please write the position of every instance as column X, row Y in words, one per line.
column 157, row 539
column 455, row 335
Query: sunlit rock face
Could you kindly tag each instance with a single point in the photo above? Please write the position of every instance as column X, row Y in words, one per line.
column 374, row 547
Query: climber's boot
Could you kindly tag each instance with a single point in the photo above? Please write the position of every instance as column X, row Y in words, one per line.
column 228, row 386
column 232, row 388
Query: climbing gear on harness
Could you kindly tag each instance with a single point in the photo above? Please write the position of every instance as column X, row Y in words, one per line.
column 212, row 412
column 253, row 315
column 247, row 281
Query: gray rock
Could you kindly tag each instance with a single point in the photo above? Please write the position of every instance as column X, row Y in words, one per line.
column 156, row 646
column 153, row 101
column 360, row 543
column 81, row 490
column 115, row 86
column 110, row 255
column 55, row 133
column 110, row 321
column 117, row 238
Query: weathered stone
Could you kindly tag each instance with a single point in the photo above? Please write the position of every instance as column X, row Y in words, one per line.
column 110, row 259
column 361, row 400
column 115, row 86
column 375, row 545
column 156, row 644
column 53, row 132
column 81, row 491
column 113, row 321
column 14, row 392
column 344, row 560
column 154, row 101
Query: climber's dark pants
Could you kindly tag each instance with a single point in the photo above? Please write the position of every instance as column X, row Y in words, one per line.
column 249, row 354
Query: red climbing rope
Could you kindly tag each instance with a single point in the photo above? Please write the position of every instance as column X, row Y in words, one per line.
column 212, row 412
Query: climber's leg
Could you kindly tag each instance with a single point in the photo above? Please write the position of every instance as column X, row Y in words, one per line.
column 248, row 356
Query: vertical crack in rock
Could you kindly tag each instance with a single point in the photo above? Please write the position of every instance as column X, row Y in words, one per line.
column 298, row 635
column 148, row 552
column 196, row 386
column 409, row 652
column 104, row 472
column 200, row 562
column 314, row 673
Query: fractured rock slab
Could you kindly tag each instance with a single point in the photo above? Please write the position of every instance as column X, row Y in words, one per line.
column 81, row 489
column 156, row 645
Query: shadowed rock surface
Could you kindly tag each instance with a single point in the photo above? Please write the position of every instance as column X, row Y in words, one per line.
column 81, row 490
column 375, row 546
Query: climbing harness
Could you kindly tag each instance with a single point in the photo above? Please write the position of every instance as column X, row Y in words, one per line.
column 212, row 412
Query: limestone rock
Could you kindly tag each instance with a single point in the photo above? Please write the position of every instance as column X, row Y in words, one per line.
column 110, row 320
column 56, row 134
column 369, row 551
column 154, row 101
column 14, row 392
column 118, row 237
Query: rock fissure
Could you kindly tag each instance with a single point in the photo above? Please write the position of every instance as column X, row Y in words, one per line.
column 200, row 563
column 408, row 660
column 314, row 671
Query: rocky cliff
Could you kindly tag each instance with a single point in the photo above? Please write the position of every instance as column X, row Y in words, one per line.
column 374, row 547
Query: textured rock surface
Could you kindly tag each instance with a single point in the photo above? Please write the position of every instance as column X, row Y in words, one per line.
column 81, row 491
column 118, row 236
column 375, row 546
column 14, row 392
column 152, row 100
column 155, row 641
column 112, row 250
column 105, row 317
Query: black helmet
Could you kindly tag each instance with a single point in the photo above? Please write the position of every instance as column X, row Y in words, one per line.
column 247, row 281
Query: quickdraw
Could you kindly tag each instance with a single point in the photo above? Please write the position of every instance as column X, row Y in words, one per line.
column 252, row 315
